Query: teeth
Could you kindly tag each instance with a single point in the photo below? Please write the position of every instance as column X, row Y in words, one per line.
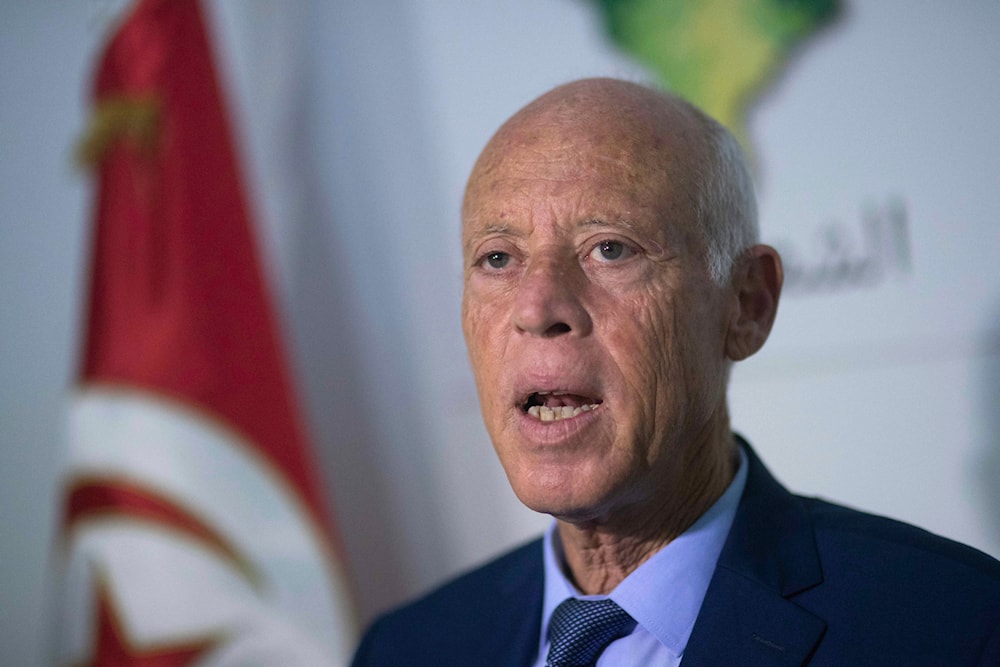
column 547, row 414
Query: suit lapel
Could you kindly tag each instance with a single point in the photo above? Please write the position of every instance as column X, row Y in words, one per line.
column 743, row 624
column 769, row 555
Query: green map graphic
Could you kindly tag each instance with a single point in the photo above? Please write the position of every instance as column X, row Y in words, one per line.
column 719, row 54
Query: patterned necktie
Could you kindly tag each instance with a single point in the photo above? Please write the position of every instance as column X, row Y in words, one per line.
column 580, row 629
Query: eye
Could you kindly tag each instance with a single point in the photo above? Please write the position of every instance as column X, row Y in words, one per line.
column 495, row 260
column 611, row 251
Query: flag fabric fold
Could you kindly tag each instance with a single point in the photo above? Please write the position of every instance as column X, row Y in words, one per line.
column 195, row 528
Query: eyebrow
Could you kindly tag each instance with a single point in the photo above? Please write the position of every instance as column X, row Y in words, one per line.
column 623, row 223
column 498, row 228
column 490, row 229
column 509, row 230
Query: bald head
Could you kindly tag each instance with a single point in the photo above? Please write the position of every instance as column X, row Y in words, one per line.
column 656, row 142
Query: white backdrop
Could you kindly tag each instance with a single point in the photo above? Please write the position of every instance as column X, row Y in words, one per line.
column 881, row 384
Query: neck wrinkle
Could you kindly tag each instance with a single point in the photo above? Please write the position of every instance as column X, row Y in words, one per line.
column 600, row 555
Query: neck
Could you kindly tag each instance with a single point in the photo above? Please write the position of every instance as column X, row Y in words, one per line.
column 600, row 554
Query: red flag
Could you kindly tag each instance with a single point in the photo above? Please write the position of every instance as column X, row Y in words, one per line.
column 195, row 527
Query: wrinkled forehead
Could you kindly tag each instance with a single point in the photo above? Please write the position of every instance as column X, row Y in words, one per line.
column 641, row 147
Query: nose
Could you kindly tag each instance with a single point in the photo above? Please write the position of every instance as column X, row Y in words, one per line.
column 549, row 300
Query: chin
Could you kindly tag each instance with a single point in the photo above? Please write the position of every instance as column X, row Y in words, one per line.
column 565, row 495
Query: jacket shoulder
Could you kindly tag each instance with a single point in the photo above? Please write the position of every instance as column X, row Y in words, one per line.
column 859, row 537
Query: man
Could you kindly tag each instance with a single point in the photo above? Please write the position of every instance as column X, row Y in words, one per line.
column 612, row 275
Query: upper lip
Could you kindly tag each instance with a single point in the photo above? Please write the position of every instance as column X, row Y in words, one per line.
column 534, row 395
column 554, row 372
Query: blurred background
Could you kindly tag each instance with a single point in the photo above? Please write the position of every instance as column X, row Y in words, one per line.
column 873, row 131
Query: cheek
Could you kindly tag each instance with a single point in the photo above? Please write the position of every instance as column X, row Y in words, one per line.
column 663, row 372
column 475, row 318
column 482, row 329
column 645, row 336
column 698, row 359
column 642, row 339
column 661, row 361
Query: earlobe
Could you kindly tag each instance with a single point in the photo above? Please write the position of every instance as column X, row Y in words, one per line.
column 756, row 290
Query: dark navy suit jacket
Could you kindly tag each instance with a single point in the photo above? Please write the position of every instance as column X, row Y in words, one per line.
column 799, row 582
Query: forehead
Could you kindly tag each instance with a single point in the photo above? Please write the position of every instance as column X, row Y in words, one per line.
column 594, row 165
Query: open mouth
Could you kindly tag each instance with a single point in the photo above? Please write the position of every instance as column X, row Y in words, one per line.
column 549, row 406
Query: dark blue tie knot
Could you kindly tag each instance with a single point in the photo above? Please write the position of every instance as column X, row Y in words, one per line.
column 580, row 629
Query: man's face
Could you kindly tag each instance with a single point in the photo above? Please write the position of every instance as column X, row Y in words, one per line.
column 595, row 332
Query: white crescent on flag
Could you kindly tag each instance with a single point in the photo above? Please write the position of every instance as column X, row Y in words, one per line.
column 166, row 507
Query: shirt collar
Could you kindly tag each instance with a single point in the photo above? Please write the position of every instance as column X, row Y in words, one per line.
column 665, row 593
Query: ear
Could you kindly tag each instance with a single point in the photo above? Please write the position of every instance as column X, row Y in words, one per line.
column 756, row 288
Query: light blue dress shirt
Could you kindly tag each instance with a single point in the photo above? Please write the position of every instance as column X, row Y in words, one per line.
column 663, row 595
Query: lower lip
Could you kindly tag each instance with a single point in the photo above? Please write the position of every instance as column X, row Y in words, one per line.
column 556, row 431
